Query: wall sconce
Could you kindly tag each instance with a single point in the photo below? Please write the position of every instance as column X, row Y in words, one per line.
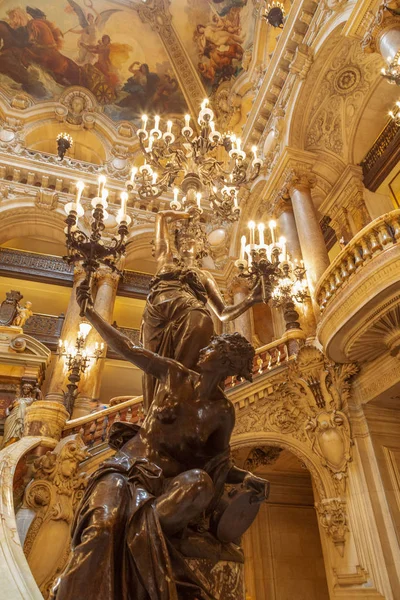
column 78, row 361
column 64, row 143
column 275, row 14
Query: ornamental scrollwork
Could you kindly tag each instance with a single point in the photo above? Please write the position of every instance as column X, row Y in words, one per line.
column 53, row 495
column 333, row 518
column 308, row 402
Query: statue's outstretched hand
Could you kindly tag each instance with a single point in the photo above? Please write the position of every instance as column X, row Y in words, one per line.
column 84, row 296
column 259, row 486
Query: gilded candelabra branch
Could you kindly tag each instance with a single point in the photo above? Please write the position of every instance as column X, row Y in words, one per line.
column 283, row 282
column 91, row 250
column 190, row 165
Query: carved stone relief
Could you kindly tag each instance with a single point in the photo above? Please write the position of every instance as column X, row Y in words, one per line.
column 309, row 403
column 332, row 516
column 341, row 92
column 53, row 495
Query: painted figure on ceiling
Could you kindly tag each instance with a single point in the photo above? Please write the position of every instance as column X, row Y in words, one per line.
column 91, row 25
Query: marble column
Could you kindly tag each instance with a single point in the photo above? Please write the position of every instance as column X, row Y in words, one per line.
column 239, row 288
column 312, row 243
column 89, row 387
column 57, row 383
column 287, row 228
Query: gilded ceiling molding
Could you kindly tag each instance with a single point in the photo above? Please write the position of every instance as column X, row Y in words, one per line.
column 156, row 13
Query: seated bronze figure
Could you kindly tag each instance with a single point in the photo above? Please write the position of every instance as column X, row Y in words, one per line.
column 159, row 499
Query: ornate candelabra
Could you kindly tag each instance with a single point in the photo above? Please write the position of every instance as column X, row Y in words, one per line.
column 290, row 287
column 392, row 71
column 207, row 167
column 282, row 281
column 91, row 249
column 78, row 360
column 64, row 143
column 262, row 262
column 395, row 113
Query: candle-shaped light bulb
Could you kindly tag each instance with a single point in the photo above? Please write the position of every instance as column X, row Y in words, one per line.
column 156, row 121
column 204, row 104
column 198, row 197
column 261, row 228
column 169, row 126
column 104, row 195
column 242, row 247
column 124, row 200
column 155, row 178
column 79, row 189
column 254, row 151
column 102, row 182
column 145, row 119
column 176, row 192
column 133, row 174
column 187, row 120
column 238, row 143
column 272, row 225
column 252, row 227
column 282, row 242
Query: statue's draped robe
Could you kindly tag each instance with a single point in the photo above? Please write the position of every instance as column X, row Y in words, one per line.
column 120, row 550
column 176, row 322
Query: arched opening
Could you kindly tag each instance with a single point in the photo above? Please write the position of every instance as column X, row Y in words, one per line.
column 282, row 548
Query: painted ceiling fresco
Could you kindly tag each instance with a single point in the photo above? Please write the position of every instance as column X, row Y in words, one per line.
column 217, row 35
column 53, row 44
column 104, row 46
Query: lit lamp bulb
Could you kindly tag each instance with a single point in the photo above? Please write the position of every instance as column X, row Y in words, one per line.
column 144, row 119
column 198, row 198
column 84, row 330
column 76, row 206
column 252, row 227
column 133, row 174
column 272, row 225
column 122, row 217
column 261, row 228
column 102, row 182
column 204, row 104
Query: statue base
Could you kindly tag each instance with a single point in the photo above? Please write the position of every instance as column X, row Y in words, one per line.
column 223, row 580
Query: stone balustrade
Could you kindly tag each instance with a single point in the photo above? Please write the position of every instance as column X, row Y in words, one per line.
column 359, row 295
column 94, row 428
column 368, row 244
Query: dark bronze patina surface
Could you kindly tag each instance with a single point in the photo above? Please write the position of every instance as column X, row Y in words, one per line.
column 159, row 502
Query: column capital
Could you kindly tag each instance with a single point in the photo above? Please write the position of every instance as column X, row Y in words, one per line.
column 384, row 20
column 239, row 284
column 281, row 204
column 107, row 275
column 298, row 179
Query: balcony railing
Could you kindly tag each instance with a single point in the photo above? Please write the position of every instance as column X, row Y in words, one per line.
column 46, row 268
column 370, row 242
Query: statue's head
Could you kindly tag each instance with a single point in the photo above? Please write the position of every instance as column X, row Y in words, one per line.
column 191, row 240
column 231, row 352
column 26, row 390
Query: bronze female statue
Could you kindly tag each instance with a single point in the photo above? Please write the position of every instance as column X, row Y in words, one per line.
column 167, row 477
column 177, row 321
